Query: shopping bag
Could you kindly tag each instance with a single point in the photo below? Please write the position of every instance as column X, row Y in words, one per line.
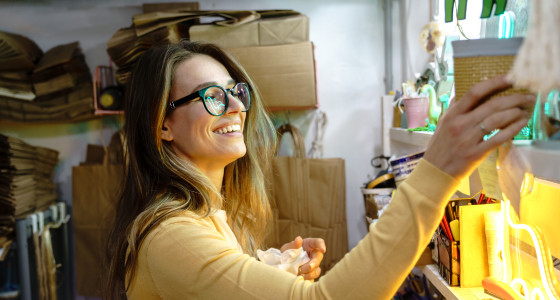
column 95, row 190
column 309, row 198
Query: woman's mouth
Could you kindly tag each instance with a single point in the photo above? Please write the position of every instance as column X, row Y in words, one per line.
column 228, row 129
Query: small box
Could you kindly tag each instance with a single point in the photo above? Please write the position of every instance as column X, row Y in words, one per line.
column 284, row 74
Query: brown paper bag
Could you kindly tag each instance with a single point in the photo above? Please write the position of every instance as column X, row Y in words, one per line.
column 309, row 196
column 95, row 190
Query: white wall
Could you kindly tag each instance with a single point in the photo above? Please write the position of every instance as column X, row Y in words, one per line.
column 409, row 17
column 349, row 53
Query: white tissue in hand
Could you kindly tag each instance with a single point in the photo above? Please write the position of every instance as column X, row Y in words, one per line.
column 289, row 260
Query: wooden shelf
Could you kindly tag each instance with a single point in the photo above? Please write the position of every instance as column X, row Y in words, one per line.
column 416, row 138
column 452, row 292
column 544, row 162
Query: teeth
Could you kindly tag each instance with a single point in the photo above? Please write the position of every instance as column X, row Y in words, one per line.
column 230, row 128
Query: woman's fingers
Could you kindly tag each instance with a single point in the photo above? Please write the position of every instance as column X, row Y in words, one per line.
column 315, row 259
column 480, row 92
column 312, row 275
column 503, row 135
column 457, row 146
column 314, row 244
column 521, row 103
column 295, row 244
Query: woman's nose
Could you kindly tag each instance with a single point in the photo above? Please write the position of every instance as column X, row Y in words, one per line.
column 234, row 105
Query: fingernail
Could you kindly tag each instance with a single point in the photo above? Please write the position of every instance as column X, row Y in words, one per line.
column 311, row 266
column 530, row 97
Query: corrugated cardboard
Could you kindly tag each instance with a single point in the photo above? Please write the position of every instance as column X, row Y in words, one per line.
column 275, row 31
column 263, row 32
column 166, row 6
column 245, row 35
column 284, row 74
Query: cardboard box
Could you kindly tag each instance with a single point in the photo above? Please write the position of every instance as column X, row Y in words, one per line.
column 284, row 74
column 262, row 32
column 245, row 35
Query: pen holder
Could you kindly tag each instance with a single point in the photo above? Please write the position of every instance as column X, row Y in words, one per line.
column 448, row 259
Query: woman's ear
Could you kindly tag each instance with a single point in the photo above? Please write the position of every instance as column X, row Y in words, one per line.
column 166, row 133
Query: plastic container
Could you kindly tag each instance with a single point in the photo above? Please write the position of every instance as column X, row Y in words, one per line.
column 401, row 167
column 416, row 109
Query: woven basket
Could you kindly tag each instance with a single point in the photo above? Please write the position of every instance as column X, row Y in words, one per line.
column 478, row 60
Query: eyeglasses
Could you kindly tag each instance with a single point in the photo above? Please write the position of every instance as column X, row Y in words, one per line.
column 215, row 98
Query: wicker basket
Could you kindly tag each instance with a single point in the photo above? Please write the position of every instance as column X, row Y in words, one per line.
column 478, row 60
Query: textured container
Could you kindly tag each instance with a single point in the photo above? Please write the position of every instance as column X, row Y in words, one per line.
column 478, row 60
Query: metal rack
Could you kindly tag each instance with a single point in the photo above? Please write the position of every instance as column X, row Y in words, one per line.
column 56, row 217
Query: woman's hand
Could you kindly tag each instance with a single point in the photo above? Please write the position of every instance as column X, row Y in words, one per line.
column 457, row 146
column 315, row 247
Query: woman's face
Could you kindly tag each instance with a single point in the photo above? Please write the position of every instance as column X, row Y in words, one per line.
column 207, row 141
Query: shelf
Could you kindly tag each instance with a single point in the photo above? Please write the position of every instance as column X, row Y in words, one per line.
column 416, row 138
column 452, row 292
column 544, row 162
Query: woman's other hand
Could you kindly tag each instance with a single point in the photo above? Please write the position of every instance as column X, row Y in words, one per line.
column 458, row 145
column 315, row 247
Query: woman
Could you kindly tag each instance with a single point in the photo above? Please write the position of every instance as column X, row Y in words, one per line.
column 194, row 207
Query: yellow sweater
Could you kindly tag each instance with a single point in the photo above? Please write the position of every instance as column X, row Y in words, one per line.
column 193, row 258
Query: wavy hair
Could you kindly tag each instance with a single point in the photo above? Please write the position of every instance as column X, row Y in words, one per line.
column 159, row 184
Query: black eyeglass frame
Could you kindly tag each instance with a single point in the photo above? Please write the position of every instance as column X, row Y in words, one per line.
column 200, row 94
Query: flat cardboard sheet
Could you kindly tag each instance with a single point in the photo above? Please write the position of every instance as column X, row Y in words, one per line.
column 263, row 32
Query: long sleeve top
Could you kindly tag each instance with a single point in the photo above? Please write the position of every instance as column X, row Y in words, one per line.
column 189, row 257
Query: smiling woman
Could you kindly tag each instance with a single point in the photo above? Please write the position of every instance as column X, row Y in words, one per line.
column 193, row 130
column 194, row 209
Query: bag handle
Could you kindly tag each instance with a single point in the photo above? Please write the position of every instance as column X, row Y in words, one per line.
column 297, row 137
column 316, row 150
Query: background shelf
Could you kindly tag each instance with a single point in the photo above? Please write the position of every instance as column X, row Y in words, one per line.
column 545, row 163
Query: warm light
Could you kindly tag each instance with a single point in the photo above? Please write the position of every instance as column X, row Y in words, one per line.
column 537, row 242
column 522, row 283
column 536, row 293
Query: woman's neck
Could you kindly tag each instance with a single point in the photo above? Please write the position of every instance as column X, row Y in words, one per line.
column 216, row 175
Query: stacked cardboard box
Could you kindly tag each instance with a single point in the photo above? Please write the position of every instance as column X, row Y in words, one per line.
column 276, row 52
column 26, row 184
column 37, row 87
column 272, row 45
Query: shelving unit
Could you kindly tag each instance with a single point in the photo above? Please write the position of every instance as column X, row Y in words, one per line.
column 24, row 231
column 544, row 162
column 452, row 292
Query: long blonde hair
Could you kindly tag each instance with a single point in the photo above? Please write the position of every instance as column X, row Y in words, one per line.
column 160, row 185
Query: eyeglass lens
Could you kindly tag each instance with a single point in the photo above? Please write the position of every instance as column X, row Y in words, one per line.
column 215, row 98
